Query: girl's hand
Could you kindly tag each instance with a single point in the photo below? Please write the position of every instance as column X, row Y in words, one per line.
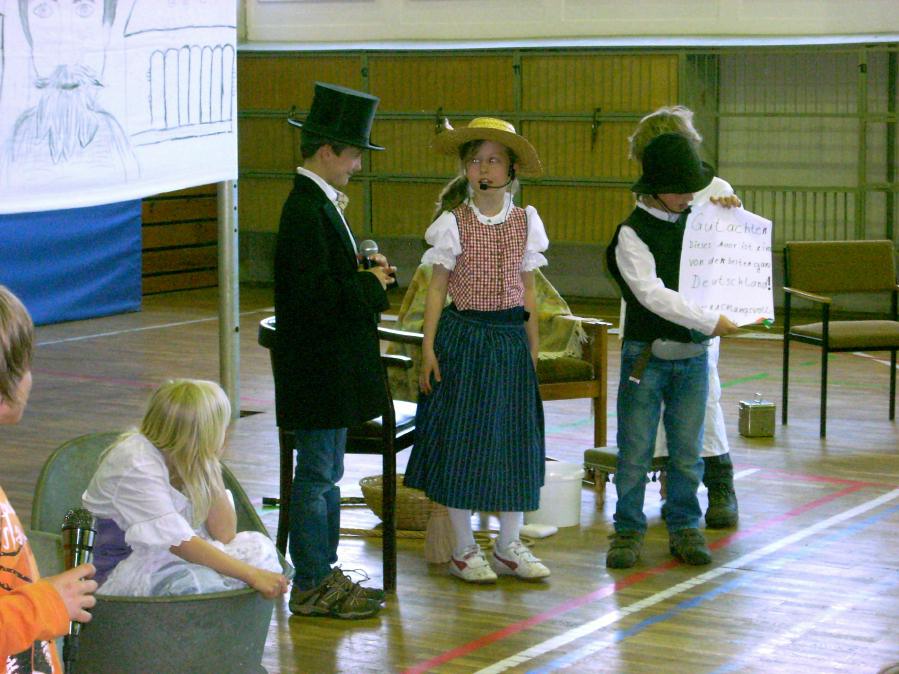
column 269, row 584
column 429, row 366
column 731, row 201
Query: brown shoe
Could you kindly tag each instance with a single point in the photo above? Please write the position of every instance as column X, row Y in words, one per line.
column 374, row 593
column 336, row 597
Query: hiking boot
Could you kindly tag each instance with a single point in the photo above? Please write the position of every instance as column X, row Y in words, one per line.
column 688, row 545
column 517, row 560
column 374, row 593
column 472, row 566
column 336, row 597
column 624, row 549
column 723, row 511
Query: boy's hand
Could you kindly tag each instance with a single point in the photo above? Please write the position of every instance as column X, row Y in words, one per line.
column 386, row 275
column 731, row 201
column 725, row 326
column 76, row 590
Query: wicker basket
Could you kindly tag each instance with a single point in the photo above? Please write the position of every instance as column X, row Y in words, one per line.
column 412, row 506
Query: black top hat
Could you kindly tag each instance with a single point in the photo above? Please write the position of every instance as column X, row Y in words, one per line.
column 671, row 166
column 341, row 114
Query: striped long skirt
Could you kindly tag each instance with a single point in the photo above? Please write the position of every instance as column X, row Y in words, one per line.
column 479, row 437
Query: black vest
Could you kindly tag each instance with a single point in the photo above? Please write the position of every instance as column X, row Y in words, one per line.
column 664, row 240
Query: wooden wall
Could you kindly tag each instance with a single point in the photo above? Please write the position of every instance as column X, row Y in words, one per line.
column 582, row 105
column 180, row 246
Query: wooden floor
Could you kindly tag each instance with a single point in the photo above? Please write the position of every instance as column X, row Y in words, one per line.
column 809, row 582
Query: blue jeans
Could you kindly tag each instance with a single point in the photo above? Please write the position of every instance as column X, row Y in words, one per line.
column 682, row 385
column 315, row 504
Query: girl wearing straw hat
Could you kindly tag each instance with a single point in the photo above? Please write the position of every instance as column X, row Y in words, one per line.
column 479, row 430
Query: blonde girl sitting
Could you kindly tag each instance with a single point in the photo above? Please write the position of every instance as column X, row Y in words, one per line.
column 166, row 524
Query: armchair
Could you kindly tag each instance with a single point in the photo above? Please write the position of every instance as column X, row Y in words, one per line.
column 812, row 268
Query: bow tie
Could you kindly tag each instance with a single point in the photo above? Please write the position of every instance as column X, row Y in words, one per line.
column 342, row 201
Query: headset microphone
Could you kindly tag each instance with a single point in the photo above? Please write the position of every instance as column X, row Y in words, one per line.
column 485, row 186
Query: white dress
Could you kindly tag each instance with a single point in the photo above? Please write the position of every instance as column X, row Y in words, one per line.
column 132, row 488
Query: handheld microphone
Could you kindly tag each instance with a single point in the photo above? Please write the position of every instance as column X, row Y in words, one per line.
column 78, row 534
column 367, row 250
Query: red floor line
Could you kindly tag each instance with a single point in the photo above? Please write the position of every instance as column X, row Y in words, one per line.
column 611, row 589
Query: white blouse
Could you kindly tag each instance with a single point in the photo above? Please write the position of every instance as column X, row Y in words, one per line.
column 443, row 236
column 132, row 488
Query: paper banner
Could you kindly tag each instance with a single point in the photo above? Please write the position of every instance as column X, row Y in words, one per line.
column 108, row 101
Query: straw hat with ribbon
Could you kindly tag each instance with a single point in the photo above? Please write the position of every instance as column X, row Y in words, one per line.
column 449, row 140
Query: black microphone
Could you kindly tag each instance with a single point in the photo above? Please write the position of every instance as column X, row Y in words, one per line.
column 78, row 534
column 367, row 250
column 485, row 186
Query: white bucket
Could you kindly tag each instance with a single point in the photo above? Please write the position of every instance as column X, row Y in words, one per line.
column 560, row 496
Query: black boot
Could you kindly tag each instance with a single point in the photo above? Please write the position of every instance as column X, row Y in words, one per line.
column 719, row 479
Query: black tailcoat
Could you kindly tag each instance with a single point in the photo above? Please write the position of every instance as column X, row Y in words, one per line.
column 328, row 372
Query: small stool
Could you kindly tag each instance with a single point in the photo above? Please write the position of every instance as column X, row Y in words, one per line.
column 600, row 464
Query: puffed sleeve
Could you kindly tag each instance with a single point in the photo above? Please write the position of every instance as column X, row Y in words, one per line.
column 537, row 242
column 132, row 488
column 443, row 236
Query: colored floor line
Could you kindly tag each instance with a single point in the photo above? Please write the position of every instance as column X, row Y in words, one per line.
column 688, row 604
column 616, row 615
column 610, row 589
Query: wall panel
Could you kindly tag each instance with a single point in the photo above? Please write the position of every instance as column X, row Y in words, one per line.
column 423, row 82
column 579, row 83
column 403, row 208
column 580, row 215
column 280, row 80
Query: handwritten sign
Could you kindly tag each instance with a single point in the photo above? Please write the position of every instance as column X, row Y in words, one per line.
column 726, row 263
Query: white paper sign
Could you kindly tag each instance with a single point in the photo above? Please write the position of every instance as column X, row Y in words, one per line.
column 726, row 263
column 108, row 101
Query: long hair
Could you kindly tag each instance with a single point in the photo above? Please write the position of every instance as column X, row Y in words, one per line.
column 186, row 420
column 16, row 344
column 675, row 119
column 455, row 191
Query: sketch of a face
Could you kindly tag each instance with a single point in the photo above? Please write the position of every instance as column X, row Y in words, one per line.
column 67, row 33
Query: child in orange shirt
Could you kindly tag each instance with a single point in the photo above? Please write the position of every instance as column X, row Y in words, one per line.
column 33, row 612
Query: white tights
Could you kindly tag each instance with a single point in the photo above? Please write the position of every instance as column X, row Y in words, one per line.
column 509, row 528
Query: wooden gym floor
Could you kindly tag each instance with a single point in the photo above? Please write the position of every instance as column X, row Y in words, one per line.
column 809, row 582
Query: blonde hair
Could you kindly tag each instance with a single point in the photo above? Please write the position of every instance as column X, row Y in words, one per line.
column 455, row 191
column 674, row 119
column 16, row 344
column 186, row 420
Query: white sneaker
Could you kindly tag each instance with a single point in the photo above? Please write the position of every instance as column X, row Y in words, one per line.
column 473, row 566
column 517, row 560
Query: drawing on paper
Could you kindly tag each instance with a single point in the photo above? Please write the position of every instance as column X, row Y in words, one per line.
column 68, row 131
column 99, row 93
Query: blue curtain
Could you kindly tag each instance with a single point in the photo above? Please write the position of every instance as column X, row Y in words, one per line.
column 73, row 264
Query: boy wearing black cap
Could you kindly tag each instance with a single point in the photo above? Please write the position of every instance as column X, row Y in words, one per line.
column 328, row 373
column 663, row 355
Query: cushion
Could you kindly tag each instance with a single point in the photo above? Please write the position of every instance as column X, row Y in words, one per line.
column 563, row 369
column 869, row 335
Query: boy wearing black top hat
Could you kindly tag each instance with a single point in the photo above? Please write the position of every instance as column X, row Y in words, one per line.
column 663, row 354
column 327, row 368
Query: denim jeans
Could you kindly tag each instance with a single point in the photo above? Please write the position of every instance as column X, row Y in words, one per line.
column 315, row 504
column 682, row 385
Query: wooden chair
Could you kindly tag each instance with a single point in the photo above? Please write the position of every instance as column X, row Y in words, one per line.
column 215, row 632
column 815, row 267
column 386, row 435
column 563, row 373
